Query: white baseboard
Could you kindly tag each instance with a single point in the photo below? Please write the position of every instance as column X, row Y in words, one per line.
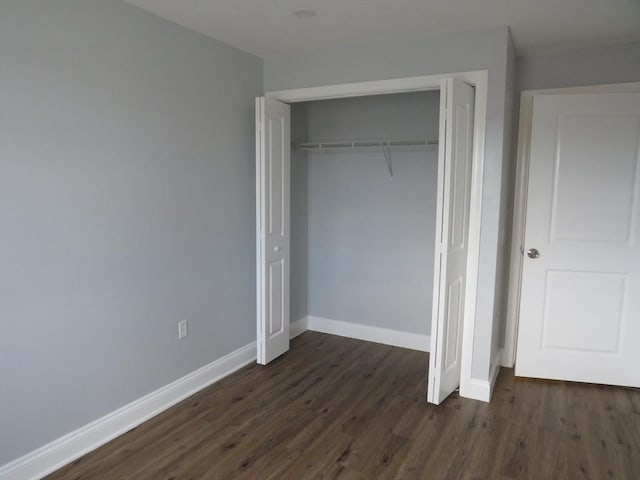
column 476, row 389
column 505, row 360
column 68, row 448
column 298, row 327
column 386, row 336
column 495, row 371
column 482, row 390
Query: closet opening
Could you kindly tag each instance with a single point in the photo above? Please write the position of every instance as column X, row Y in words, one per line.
column 363, row 216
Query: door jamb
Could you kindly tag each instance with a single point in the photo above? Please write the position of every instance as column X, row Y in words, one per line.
column 413, row 84
column 520, row 201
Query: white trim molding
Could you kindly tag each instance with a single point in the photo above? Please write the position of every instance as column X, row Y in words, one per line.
column 359, row 89
column 68, row 448
column 298, row 327
column 520, row 202
column 483, row 389
column 478, row 390
column 495, row 370
column 386, row 336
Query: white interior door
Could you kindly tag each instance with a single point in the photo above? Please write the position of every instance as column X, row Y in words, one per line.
column 273, row 162
column 580, row 297
column 452, row 229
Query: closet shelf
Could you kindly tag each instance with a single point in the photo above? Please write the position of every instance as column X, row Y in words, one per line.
column 320, row 146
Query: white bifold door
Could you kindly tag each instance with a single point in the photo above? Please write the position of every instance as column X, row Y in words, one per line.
column 580, row 295
column 452, row 231
column 457, row 102
column 273, row 144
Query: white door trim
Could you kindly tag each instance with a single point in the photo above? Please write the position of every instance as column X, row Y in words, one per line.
column 519, row 208
column 413, row 84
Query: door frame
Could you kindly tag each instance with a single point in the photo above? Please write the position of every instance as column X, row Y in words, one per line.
column 520, row 202
column 478, row 79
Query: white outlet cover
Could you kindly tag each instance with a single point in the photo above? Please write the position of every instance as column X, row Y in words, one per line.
column 182, row 329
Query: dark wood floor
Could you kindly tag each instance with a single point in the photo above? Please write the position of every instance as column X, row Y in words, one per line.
column 338, row 408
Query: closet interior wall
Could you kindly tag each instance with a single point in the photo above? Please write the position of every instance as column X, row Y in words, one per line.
column 298, row 306
column 363, row 240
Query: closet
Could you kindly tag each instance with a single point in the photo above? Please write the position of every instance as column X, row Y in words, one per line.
column 363, row 211
column 363, row 221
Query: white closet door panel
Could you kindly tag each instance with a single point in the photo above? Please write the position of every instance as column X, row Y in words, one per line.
column 273, row 131
column 452, row 228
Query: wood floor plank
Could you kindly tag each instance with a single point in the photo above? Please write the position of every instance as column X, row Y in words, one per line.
column 338, row 408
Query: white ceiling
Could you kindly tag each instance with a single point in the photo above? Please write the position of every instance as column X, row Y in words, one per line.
column 268, row 27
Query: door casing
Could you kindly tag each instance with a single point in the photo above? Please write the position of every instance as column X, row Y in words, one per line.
column 469, row 387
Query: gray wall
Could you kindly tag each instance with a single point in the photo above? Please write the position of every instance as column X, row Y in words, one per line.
column 594, row 66
column 127, row 203
column 433, row 54
column 506, row 207
column 298, row 303
column 371, row 236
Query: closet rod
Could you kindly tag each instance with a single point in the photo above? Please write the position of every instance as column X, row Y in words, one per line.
column 317, row 146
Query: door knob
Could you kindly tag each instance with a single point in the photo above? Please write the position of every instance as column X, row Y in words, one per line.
column 533, row 253
column 277, row 249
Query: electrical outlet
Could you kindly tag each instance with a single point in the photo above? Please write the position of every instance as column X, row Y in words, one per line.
column 182, row 329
